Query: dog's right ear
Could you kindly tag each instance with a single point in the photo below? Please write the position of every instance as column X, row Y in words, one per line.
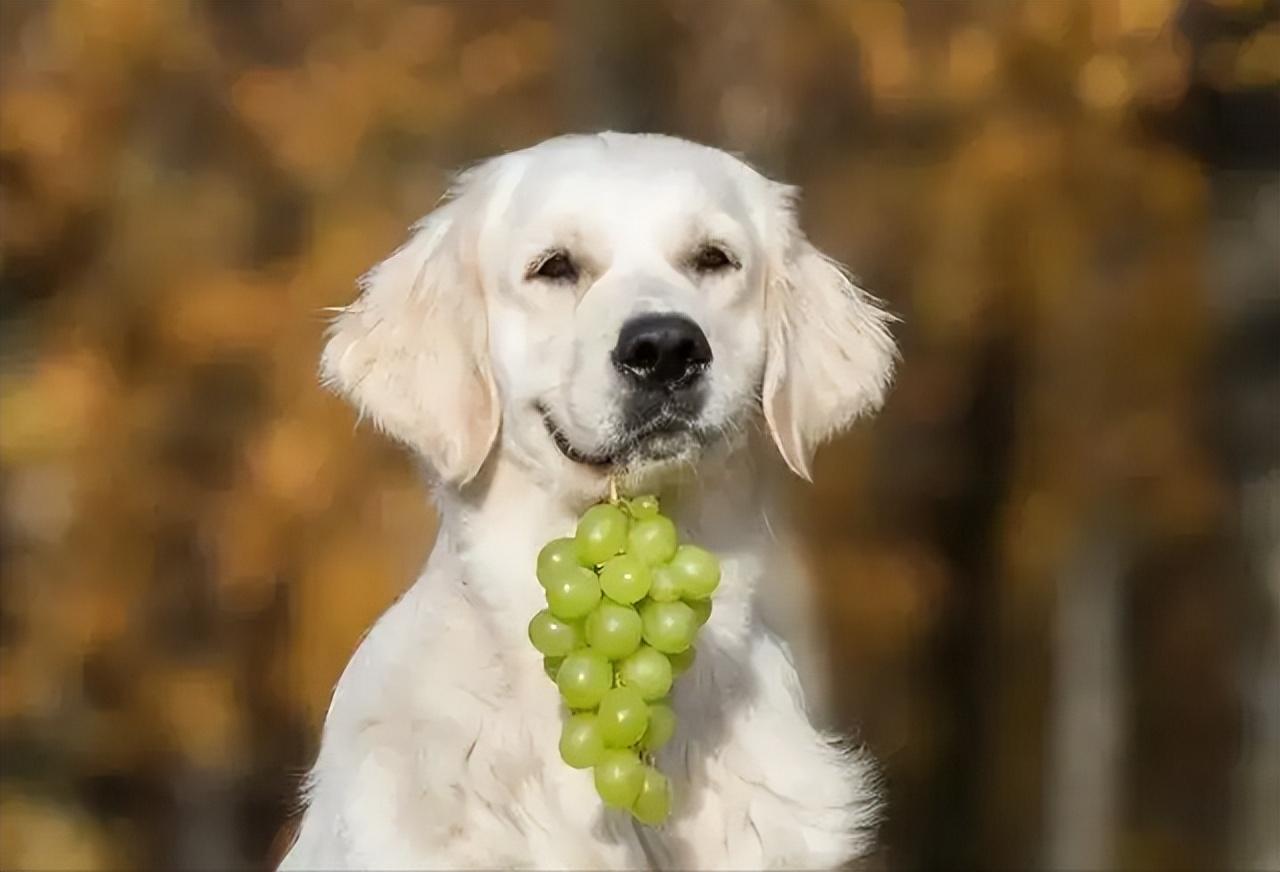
column 412, row 351
column 830, row 355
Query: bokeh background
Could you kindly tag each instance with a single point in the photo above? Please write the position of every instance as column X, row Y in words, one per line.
column 1049, row 571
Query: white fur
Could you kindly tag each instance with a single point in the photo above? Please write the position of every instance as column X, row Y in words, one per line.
column 439, row 750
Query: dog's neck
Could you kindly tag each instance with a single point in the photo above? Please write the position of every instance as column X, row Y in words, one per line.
column 497, row 526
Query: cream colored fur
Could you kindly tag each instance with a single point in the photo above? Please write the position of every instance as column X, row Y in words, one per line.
column 439, row 749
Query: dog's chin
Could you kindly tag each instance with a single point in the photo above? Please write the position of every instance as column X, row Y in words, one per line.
column 662, row 442
column 682, row 447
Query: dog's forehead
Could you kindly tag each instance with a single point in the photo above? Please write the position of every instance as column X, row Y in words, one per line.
column 605, row 173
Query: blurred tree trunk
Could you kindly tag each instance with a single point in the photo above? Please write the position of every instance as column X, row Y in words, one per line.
column 1085, row 733
column 1244, row 227
column 1232, row 126
column 611, row 74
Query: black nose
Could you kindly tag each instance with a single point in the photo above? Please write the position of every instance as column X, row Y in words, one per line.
column 662, row 351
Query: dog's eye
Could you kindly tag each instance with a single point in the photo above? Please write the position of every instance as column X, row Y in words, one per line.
column 556, row 266
column 712, row 258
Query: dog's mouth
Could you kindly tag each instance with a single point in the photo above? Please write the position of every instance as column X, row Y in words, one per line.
column 567, row 448
column 664, row 435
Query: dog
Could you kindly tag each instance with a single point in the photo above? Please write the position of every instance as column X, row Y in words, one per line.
column 617, row 307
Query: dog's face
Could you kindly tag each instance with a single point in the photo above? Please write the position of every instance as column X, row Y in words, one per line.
column 609, row 304
column 626, row 310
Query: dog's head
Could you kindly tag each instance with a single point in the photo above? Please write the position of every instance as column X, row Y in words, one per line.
column 608, row 303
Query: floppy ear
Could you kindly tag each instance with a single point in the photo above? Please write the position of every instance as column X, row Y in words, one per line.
column 829, row 357
column 412, row 352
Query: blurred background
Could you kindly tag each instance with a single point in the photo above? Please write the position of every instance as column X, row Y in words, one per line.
column 1049, row 571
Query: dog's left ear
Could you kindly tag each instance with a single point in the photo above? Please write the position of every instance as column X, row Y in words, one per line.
column 830, row 356
column 413, row 353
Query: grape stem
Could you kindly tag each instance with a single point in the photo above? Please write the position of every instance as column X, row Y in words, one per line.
column 613, row 490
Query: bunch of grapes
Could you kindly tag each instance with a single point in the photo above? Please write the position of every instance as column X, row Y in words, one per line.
column 624, row 602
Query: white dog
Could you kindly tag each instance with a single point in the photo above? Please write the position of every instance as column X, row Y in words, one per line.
column 618, row 305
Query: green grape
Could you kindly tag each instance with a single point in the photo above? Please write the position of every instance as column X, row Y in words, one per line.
column 662, row 726
column 623, row 717
column 698, row 571
column 583, row 678
column 619, row 777
column 614, row 630
column 625, row 579
column 665, row 587
column 574, row 594
column 555, row 558
column 669, row 627
column 701, row 609
column 625, row 588
column 552, row 636
column 581, row 745
column 648, row 671
column 551, row 665
column 653, row 540
column 681, row 662
column 602, row 533
column 653, row 802
column 643, row 507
